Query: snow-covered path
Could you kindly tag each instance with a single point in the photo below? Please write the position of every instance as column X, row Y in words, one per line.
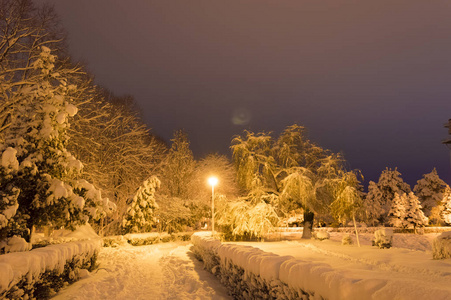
column 161, row 271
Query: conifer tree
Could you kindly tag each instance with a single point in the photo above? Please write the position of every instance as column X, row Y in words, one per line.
column 414, row 216
column 397, row 213
column 141, row 212
column 430, row 191
column 390, row 183
column 41, row 170
column 179, row 167
column 446, row 207
column 372, row 204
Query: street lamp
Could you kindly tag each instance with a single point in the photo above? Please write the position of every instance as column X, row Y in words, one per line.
column 213, row 181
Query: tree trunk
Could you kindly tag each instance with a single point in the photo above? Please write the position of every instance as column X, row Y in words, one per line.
column 308, row 224
column 356, row 231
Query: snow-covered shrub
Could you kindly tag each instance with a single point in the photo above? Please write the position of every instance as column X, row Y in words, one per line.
column 141, row 212
column 14, row 244
column 40, row 273
column 346, row 240
column 441, row 246
column 145, row 239
column 321, row 235
column 383, row 238
column 114, row 241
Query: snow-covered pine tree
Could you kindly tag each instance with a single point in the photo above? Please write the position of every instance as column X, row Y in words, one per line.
column 41, row 170
column 397, row 214
column 390, row 183
column 8, row 193
column 141, row 212
column 429, row 191
column 414, row 216
column 446, row 207
column 372, row 204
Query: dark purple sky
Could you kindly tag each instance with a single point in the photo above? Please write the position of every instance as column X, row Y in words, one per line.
column 369, row 78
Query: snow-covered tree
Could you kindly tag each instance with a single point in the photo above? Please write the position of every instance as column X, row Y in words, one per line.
column 406, row 212
column 8, row 193
column 372, row 204
column 397, row 213
column 42, row 171
column 430, row 191
column 445, row 212
column 415, row 217
column 293, row 171
column 390, row 183
column 24, row 29
column 246, row 218
column 178, row 169
column 116, row 148
column 348, row 200
column 141, row 213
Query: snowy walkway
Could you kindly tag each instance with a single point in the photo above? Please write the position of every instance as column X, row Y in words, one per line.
column 161, row 271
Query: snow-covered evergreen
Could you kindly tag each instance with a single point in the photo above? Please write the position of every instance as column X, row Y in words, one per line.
column 397, row 213
column 141, row 213
column 372, row 204
column 406, row 212
column 390, row 183
column 445, row 212
column 429, row 191
column 415, row 217
column 36, row 165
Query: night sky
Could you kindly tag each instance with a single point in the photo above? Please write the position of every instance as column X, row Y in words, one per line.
column 370, row 79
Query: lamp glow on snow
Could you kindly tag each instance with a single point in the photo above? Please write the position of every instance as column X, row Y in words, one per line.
column 212, row 181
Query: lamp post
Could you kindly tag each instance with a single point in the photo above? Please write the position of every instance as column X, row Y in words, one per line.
column 212, row 181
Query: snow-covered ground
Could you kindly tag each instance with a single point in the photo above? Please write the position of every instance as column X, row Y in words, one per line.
column 160, row 271
column 169, row 270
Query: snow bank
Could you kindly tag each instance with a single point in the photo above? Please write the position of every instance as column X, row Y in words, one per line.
column 26, row 273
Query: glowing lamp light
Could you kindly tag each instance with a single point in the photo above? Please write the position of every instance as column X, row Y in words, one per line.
column 212, row 181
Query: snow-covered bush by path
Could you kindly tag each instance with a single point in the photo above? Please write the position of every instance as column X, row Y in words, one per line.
column 141, row 213
column 383, row 238
column 39, row 273
column 346, row 240
column 321, row 235
column 441, row 246
column 38, row 176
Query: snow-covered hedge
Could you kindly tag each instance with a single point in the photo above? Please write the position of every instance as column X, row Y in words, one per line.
column 141, row 239
column 251, row 273
column 39, row 273
column 441, row 246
